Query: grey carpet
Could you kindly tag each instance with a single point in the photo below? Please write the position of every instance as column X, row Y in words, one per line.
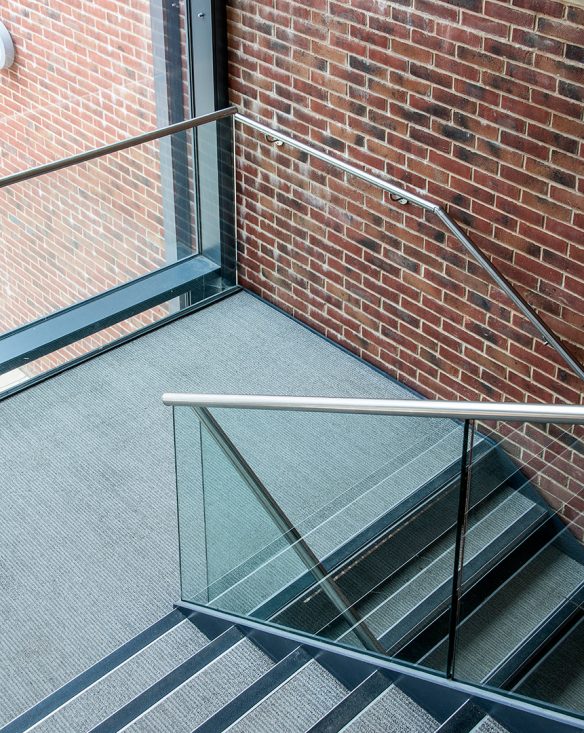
column 296, row 705
column 488, row 725
column 559, row 679
column 392, row 711
column 88, row 550
column 126, row 682
column 496, row 628
column 206, row 692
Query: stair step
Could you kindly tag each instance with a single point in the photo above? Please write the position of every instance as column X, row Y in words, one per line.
column 296, row 705
column 549, row 681
column 93, row 674
column 393, row 710
column 125, row 682
column 253, row 695
column 488, row 725
column 352, row 704
column 406, row 600
column 204, row 693
column 407, row 548
column 504, row 621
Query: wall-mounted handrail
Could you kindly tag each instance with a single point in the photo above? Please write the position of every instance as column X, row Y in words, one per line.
column 532, row 413
column 129, row 142
column 544, row 331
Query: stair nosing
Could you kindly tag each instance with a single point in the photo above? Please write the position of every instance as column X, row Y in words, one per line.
column 530, row 509
column 108, row 674
column 104, row 726
column 351, row 694
column 19, row 724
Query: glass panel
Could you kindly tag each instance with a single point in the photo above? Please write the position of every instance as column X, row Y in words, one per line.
column 523, row 576
column 91, row 344
column 343, row 530
column 75, row 233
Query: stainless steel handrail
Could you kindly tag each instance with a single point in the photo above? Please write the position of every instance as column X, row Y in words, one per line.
column 532, row 413
column 547, row 335
column 129, row 142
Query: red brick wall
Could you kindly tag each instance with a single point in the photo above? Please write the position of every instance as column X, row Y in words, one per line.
column 474, row 104
column 83, row 77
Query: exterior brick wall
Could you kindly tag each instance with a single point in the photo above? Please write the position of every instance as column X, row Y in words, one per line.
column 475, row 104
column 84, row 76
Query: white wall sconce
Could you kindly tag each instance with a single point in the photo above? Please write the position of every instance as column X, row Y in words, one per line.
column 6, row 48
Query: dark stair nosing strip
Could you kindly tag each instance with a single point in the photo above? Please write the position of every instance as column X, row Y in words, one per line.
column 305, row 583
column 397, row 515
column 480, row 591
column 74, row 687
column 167, row 684
column 352, row 704
column 465, row 718
column 278, row 675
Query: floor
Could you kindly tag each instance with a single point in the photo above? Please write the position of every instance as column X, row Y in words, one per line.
column 88, row 536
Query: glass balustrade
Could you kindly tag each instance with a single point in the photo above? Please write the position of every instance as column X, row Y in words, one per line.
column 447, row 545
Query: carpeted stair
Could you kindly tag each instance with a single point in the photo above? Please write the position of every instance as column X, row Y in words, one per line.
column 193, row 672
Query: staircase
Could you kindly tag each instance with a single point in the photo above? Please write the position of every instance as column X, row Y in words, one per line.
column 192, row 672
column 521, row 623
column 385, row 545
column 522, row 589
column 381, row 516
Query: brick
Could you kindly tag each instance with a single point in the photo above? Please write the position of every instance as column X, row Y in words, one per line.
column 572, row 91
column 509, row 15
column 482, row 60
column 428, row 74
column 559, row 29
column 537, row 41
column 506, row 84
column 559, row 68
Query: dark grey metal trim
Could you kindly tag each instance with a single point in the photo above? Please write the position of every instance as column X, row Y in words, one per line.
column 129, row 142
column 149, row 328
column 167, row 684
column 278, row 675
column 461, row 524
column 544, row 331
column 402, row 670
column 354, row 703
column 66, row 326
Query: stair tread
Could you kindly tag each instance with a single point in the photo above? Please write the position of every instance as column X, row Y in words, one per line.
column 498, row 626
column 549, row 680
column 118, row 687
column 488, row 725
column 392, row 711
column 296, row 705
column 205, row 692
column 412, row 585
